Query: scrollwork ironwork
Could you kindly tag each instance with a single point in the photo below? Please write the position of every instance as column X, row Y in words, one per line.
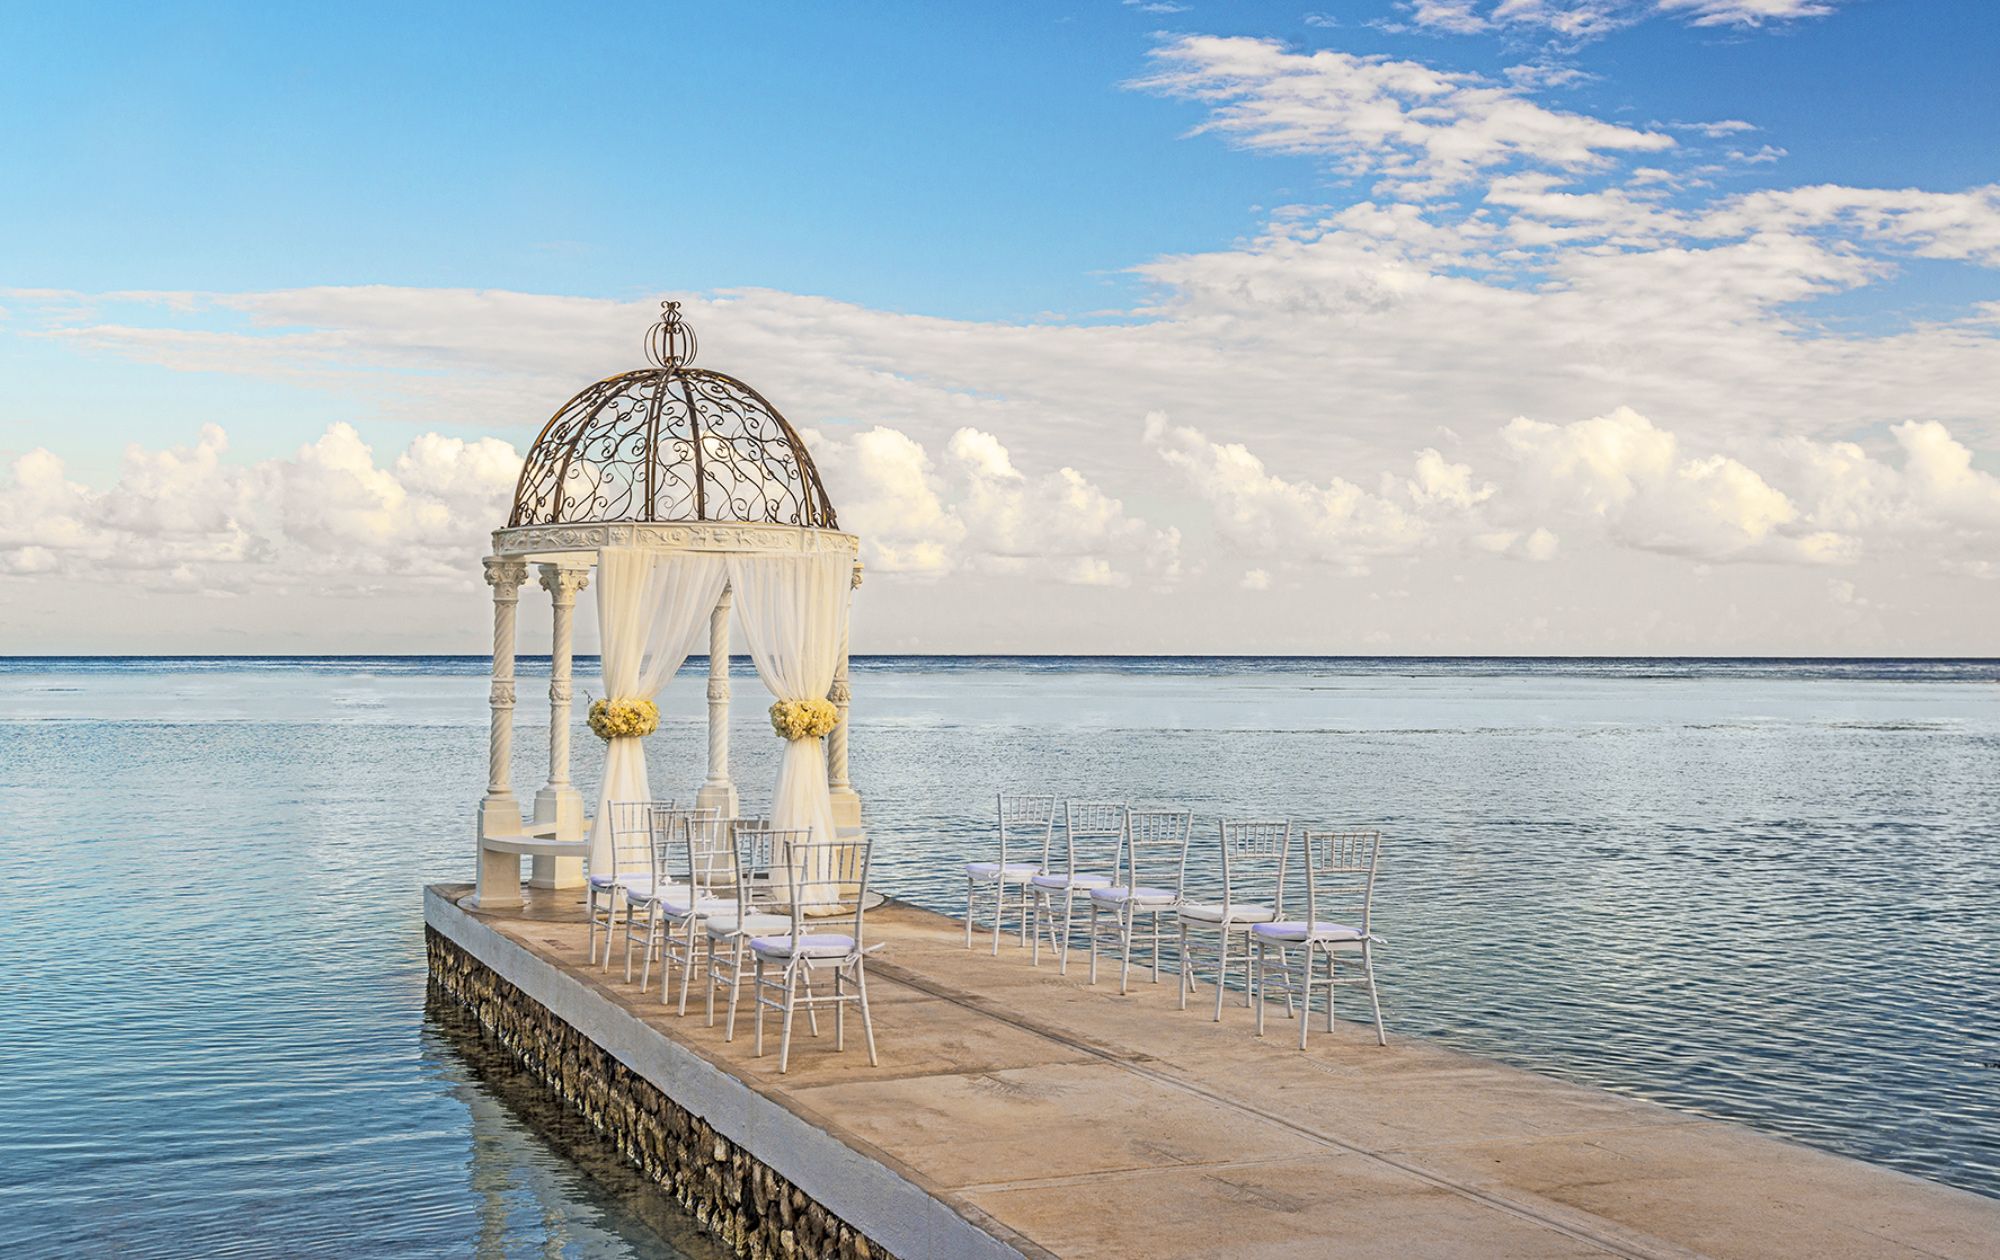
column 671, row 443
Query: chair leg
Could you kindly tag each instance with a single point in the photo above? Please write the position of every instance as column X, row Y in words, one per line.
column 1093, row 940
column 687, row 962
column 1306, row 999
column 1368, row 970
column 968, row 912
column 1183, row 958
column 1254, row 982
column 1128, row 927
column 999, row 910
column 1222, row 970
column 839, row 1013
column 1068, row 928
column 1331, row 982
column 791, row 1001
column 861, row 994
column 708, row 989
column 1034, row 895
column 1156, row 947
column 757, row 995
column 735, row 989
column 1024, row 915
column 610, row 917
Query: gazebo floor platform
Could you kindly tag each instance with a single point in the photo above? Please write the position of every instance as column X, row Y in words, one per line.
column 1020, row 1112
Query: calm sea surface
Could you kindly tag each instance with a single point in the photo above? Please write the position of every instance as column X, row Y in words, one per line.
column 1768, row 891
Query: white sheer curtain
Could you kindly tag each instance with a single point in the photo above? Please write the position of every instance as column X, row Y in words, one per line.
column 650, row 610
column 793, row 610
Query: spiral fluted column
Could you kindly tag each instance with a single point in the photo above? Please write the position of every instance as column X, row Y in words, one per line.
column 846, row 801
column 499, row 814
column 719, row 792
column 559, row 803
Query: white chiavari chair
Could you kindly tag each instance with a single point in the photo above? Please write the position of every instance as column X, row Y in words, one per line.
column 1155, row 871
column 758, row 911
column 700, row 864
column 1339, row 920
column 1093, row 847
column 631, row 867
column 1025, row 823
column 1254, row 854
column 815, row 949
column 645, row 920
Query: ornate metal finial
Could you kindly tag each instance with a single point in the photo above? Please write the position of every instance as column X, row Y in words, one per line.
column 671, row 342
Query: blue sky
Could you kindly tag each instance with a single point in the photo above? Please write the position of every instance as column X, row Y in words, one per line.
column 971, row 160
column 201, row 193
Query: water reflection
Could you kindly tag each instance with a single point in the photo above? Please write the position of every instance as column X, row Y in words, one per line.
column 527, row 1155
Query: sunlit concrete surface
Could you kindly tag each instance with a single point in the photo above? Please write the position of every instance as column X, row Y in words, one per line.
column 1054, row 1117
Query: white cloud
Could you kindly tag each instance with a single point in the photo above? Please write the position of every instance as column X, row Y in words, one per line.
column 1422, row 131
column 1590, row 19
column 328, row 518
column 975, row 510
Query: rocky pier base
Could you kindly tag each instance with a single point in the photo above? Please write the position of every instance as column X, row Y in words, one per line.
column 734, row 1196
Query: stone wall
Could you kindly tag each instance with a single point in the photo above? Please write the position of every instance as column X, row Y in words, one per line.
column 729, row 1192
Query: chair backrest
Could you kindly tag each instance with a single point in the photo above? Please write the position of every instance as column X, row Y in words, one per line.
column 757, row 852
column 1156, row 847
column 1094, row 837
column 672, row 858
column 1027, row 825
column 1255, row 852
column 632, row 835
column 1340, row 877
column 813, row 869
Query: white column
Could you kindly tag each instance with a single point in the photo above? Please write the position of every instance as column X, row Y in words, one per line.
column 846, row 801
column 499, row 813
column 719, row 792
column 559, row 803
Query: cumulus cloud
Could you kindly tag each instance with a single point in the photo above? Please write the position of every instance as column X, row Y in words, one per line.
column 1814, row 502
column 974, row 509
column 329, row 516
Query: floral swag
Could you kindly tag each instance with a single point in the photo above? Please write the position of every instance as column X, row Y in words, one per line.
column 621, row 719
column 804, row 719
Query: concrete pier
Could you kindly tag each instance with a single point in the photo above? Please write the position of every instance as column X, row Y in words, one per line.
column 1019, row 1112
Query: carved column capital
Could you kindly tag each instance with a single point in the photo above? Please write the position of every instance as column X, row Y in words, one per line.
column 718, row 689
column 505, row 577
column 502, row 694
column 838, row 693
column 563, row 581
column 855, row 583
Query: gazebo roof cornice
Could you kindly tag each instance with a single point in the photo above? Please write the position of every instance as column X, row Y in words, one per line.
column 728, row 537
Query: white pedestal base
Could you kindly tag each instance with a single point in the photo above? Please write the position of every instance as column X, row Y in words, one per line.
column 720, row 799
column 846, row 807
column 499, row 886
column 564, row 808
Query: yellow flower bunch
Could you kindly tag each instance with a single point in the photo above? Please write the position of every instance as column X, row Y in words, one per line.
column 617, row 719
column 804, row 719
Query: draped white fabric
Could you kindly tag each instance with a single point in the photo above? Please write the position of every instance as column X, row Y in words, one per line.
column 793, row 610
column 650, row 611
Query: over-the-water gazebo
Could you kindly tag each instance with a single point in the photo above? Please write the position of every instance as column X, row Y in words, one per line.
column 691, row 497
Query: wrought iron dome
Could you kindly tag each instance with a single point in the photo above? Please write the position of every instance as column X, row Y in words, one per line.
column 670, row 443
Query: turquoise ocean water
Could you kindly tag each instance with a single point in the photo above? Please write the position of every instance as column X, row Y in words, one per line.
column 1762, row 890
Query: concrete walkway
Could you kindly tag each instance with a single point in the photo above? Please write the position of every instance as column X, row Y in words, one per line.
column 1064, row 1118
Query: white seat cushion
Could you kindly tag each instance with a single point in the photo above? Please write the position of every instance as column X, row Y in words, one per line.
column 632, row 879
column 1056, row 879
column 680, row 902
column 1215, row 912
column 755, row 925
column 1140, row 896
column 1013, row 870
column 811, row 945
column 1295, row 930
